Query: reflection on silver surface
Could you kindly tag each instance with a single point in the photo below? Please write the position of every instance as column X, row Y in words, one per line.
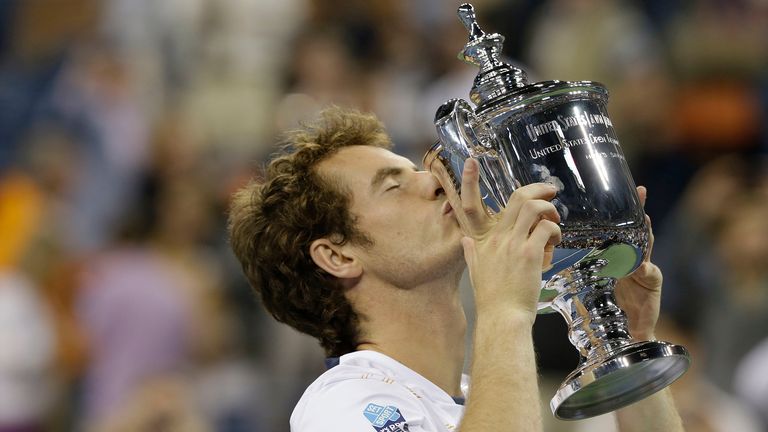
column 560, row 133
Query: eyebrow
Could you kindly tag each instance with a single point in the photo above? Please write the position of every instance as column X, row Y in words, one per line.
column 384, row 173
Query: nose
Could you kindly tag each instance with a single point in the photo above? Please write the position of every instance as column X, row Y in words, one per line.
column 431, row 187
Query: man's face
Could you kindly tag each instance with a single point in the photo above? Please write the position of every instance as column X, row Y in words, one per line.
column 416, row 237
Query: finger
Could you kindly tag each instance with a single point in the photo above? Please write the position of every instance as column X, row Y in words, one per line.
column 650, row 238
column 648, row 276
column 545, row 234
column 642, row 192
column 471, row 199
column 533, row 191
column 549, row 255
column 531, row 212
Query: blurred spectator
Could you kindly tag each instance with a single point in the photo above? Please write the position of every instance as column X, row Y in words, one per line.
column 137, row 322
column 703, row 406
column 155, row 315
column 714, row 254
column 161, row 404
column 34, row 228
column 738, row 304
column 685, row 242
column 323, row 71
column 751, row 382
column 21, row 205
column 96, row 93
column 26, row 359
column 37, row 35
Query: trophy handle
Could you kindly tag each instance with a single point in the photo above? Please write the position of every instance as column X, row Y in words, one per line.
column 462, row 135
column 454, row 121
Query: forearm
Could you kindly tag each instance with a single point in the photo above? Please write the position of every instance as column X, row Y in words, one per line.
column 656, row 413
column 504, row 395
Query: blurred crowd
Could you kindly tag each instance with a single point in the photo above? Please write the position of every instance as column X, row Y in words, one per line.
column 125, row 125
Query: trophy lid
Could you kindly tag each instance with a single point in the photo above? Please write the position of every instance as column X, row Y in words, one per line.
column 496, row 78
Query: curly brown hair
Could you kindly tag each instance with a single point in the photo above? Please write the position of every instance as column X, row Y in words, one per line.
column 273, row 222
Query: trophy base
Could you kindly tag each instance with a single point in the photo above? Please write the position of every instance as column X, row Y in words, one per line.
column 626, row 376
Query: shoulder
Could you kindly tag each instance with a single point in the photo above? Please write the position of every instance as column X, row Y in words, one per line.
column 354, row 397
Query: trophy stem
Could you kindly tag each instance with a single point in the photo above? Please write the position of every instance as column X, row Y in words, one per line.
column 597, row 326
column 615, row 370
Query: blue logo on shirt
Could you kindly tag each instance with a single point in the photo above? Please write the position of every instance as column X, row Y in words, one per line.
column 385, row 418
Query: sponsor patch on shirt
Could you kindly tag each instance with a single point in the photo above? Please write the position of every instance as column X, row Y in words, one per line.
column 385, row 418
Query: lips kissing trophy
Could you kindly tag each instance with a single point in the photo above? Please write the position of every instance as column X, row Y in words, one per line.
column 559, row 132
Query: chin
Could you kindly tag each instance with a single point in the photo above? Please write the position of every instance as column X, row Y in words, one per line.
column 451, row 261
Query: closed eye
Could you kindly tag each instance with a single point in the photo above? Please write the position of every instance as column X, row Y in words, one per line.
column 395, row 186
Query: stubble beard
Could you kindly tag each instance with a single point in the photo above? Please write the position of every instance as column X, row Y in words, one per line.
column 417, row 271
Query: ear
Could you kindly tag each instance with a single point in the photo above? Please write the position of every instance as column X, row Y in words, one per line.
column 335, row 259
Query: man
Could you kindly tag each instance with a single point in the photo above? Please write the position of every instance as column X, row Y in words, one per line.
column 352, row 244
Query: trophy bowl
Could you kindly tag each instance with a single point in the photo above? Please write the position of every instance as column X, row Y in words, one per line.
column 559, row 132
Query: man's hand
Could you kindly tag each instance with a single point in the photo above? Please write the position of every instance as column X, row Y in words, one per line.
column 505, row 252
column 639, row 293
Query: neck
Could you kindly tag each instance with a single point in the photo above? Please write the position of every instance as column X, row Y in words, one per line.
column 421, row 327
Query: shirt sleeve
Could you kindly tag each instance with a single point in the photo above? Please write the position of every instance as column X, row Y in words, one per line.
column 361, row 405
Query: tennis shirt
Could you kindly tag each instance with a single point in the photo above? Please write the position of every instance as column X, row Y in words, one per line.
column 370, row 392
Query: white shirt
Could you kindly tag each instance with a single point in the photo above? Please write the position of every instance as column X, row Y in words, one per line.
column 369, row 391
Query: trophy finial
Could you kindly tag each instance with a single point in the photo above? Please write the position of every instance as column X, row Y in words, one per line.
column 466, row 13
column 496, row 77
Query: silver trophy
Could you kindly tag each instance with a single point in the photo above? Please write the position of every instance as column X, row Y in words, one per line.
column 560, row 132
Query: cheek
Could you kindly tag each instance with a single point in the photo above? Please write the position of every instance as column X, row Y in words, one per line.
column 383, row 230
column 396, row 239
column 397, row 233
